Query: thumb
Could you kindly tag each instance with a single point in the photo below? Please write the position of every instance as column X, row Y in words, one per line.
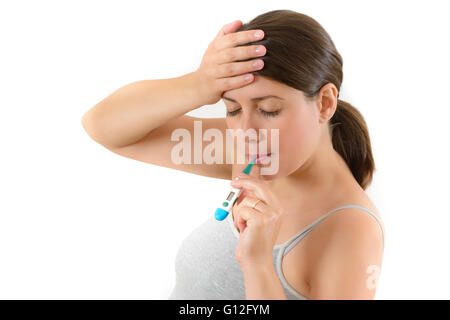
column 229, row 28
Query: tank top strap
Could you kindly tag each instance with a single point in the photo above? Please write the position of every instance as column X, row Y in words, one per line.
column 288, row 245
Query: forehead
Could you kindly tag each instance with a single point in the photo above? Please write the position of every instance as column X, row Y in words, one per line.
column 260, row 87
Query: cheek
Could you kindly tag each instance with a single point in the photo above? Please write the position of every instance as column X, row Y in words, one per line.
column 299, row 138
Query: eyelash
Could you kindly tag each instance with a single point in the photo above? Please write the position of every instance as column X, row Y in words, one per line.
column 264, row 113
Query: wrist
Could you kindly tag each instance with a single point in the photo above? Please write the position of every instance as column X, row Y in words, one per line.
column 262, row 282
column 190, row 84
column 261, row 266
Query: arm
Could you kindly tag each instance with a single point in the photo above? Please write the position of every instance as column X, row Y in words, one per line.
column 262, row 283
column 130, row 113
column 134, row 110
column 347, row 258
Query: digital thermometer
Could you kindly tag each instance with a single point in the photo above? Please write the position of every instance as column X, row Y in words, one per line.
column 223, row 211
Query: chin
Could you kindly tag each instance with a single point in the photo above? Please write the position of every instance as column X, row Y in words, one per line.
column 271, row 176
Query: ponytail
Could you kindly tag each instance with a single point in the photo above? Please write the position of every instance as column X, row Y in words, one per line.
column 350, row 138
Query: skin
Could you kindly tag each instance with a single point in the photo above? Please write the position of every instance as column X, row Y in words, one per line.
column 312, row 180
column 137, row 122
column 313, row 165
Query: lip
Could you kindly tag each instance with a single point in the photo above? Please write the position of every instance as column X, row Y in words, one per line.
column 259, row 158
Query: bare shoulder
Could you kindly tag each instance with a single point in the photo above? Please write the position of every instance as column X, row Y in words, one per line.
column 361, row 198
column 353, row 220
column 344, row 250
column 354, row 194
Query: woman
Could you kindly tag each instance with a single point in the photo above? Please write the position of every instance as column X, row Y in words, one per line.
column 323, row 155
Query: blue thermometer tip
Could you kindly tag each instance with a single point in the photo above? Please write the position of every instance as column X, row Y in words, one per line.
column 220, row 214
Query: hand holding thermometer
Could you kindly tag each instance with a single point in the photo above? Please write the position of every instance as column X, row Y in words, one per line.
column 222, row 212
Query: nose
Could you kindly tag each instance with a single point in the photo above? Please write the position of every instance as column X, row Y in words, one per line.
column 247, row 122
column 250, row 130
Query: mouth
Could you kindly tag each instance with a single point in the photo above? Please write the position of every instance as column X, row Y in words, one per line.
column 260, row 158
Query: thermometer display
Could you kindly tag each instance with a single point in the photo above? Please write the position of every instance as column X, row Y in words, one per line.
column 222, row 211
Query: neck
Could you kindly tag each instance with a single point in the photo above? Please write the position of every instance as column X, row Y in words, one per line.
column 317, row 176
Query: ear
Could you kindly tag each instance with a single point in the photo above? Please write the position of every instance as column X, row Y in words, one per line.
column 327, row 100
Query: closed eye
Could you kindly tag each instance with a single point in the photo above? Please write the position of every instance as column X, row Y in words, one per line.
column 265, row 113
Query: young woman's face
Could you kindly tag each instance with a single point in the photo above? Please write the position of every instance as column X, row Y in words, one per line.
column 296, row 118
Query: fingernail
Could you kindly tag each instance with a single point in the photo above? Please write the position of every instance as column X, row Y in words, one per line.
column 257, row 63
column 258, row 34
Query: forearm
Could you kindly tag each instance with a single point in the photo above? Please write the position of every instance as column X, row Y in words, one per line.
column 132, row 111
column 262, row 283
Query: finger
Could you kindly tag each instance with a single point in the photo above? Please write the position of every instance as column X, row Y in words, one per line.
column 230, row 27
column 251, row 216
column 248, row 203
column 235, row 82
column 235, row 39
column 238, row 223
column 257, row 186
column 244, row 194
column 236, row 68
column 241, row 197
column 261, row 206
column 255, row 172
column 242, row 54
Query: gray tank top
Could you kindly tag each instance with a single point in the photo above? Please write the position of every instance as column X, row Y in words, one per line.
column 206, row 266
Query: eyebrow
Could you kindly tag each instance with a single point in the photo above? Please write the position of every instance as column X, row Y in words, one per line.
column 255, row 99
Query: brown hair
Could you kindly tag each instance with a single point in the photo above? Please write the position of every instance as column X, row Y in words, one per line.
column 301, row 54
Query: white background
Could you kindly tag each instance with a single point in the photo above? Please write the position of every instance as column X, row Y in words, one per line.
column 80, row 222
